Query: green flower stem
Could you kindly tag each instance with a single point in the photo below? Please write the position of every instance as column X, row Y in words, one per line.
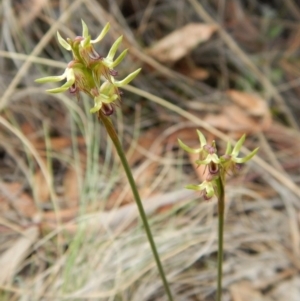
column 221, row 207
column 114, row 137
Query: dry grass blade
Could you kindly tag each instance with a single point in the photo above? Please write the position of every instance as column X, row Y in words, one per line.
column 39, row 47
column 17, row 251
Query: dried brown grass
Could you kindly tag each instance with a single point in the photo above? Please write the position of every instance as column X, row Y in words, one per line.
column 69, row 228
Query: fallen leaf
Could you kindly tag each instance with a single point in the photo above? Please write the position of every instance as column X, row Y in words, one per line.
column 41, row 188
column 71, row 187
column 180, row 42
column 253, row 103
column 28, row 130
column 198, row 73
column 187, row 67
column 233, row 119
column 57, row 143
column 12, row 197
column 195, row 73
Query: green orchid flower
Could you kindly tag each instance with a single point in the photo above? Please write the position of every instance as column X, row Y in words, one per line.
column 82, row 46
column 209, row 159
column 231, row 159
column 105, row 95
column 207, row 189
column 90, row 72
column 68, row 74
column 217, row 167
column 191, row 150
column 201, row 150
column 78, row 78
column 236, row 150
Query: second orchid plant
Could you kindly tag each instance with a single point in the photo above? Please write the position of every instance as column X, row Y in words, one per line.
column 214, row 185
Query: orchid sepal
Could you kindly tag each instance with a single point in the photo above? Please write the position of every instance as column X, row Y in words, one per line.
column 127, row 79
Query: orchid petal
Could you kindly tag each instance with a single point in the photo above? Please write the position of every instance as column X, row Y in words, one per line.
column 228, row 148
column 61, row 89
column 109, row 99
column 85, row 30
column 102, row 34
column 97, row 107
column 201, row 138
column 69, row 74
column 114, row 49
column 50, row 79
column 189, row 149
column 238, row 146
column 63, row 42
column 210, row 158
column 119, row 59
column 127, row 79
column 247, row 158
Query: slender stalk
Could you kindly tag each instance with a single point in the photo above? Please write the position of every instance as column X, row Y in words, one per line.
column 114, row 137
column 221, row 207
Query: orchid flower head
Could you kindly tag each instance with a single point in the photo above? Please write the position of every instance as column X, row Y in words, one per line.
column 217, row 167
column 92, row 73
